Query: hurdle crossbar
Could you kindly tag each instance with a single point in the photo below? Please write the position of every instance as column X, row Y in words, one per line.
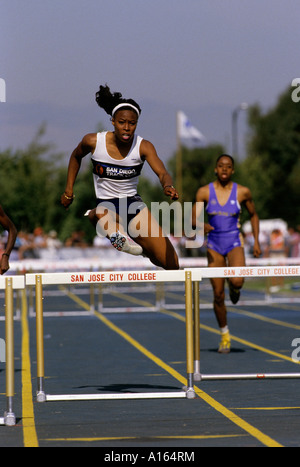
column 246, row 271
column 117, row 396
column 227, row 272
column 39, row 280
column 257, row 376
column 9, row 283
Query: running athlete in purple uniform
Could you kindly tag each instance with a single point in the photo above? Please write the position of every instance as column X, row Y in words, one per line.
column 118, row 157
column 223, row 199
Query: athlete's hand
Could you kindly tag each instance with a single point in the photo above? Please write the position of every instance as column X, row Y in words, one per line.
column 256, row 250
column 66, row 200
column 208, row 228
column 171, row 191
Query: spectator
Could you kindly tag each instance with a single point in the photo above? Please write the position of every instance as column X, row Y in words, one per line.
column 293, row 243
column 277, row 248
column 76, row 239
column 32, row 243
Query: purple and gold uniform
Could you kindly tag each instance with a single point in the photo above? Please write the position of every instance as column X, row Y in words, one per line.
column 225, row 221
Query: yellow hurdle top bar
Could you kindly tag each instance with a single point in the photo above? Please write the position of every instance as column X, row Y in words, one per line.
column 108, row 277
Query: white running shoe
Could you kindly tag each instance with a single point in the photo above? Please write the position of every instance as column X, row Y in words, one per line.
column 125, row 244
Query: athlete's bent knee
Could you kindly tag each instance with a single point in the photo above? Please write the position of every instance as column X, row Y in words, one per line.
column 237, row 282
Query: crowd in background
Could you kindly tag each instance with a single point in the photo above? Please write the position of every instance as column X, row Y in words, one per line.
column 275, row 243
column 33, row 245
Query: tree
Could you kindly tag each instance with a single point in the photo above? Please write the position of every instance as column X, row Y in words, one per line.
column 197, row 168
column 32, row 181
column 272, row 167
column 28, row 180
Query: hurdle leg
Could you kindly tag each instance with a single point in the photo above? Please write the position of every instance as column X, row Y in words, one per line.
column 9, row 416
column 160, row 296
column 100, row 298
column 190, row 392
column 30, row 300
column 92, row 298
column 197, row 375
column 41, row 396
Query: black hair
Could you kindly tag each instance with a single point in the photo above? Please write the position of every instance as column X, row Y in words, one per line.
column 225, row 155
column 108, row 101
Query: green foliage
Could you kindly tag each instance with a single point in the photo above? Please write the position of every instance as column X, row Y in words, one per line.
column 27, row 181
column 272, row 168
column 32, row 182
column 197, row 168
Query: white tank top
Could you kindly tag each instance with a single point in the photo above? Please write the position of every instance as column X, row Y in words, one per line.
column 116, row 178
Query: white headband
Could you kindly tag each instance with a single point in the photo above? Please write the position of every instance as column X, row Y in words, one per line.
column 124, row 104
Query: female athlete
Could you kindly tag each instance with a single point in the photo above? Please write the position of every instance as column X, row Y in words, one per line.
column 223, row 199
column 118, row 157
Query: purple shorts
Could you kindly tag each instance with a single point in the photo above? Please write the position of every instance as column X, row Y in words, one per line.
column 225, row 242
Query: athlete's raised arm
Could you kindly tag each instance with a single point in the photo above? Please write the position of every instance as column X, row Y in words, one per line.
column 86, row 145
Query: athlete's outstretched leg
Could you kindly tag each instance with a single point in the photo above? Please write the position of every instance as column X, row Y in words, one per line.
column 218, row 285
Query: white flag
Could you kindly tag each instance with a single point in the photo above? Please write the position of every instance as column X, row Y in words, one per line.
column 186, row 130
column 2, row 90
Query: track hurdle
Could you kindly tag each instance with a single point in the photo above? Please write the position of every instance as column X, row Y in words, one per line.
column 39, row 280
column 208, row 273
column 9, row 283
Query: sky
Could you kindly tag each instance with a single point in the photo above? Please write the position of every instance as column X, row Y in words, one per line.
column 203, row 57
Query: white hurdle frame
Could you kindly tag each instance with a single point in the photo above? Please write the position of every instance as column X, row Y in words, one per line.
column 9, row 283
column 227, row 272
column 39, row 280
